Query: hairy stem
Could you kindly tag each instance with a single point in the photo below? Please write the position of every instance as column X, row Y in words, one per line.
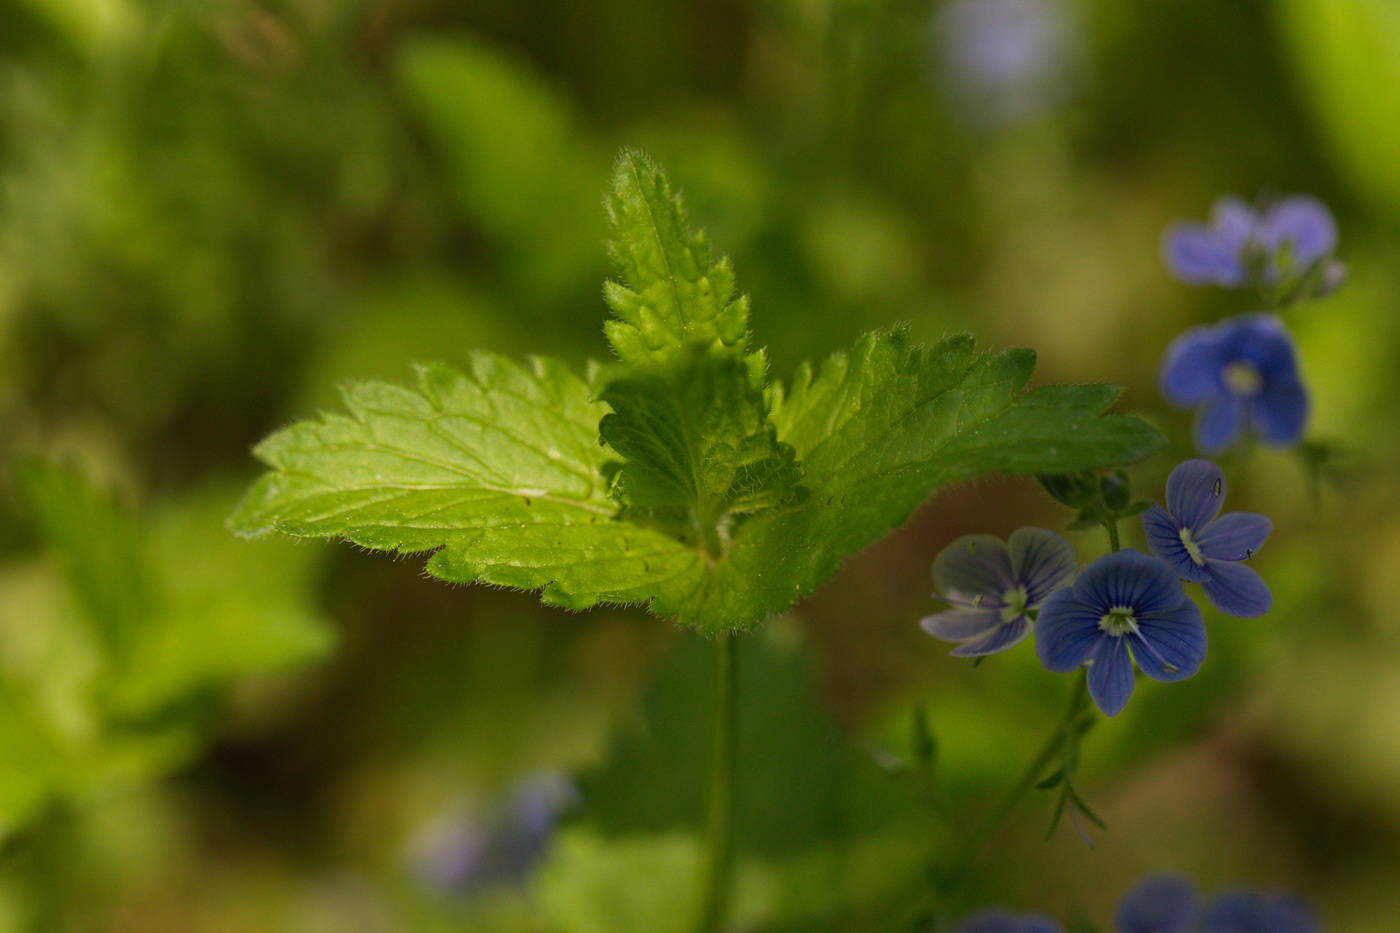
column 719, row 841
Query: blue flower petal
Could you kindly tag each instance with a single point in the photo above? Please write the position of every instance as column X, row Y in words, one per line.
column 1111, row 676
column 1195, row 492
column 1304, row 224
column 1252, row 912
column 961, row 624
column 1000, row 638
column 1280, row 410
column 1219, row 424
column 1198, row 255
column 1192, row 367
column 1171, row 644
column 973, row 566
column 1066, row 632
column 1158, row 904
column 1041, row 561
column 1237, row 590
column 1262, row 340
column 1164, row 540
column 1129, row 579
column 1235, row 536
column 1234, row 219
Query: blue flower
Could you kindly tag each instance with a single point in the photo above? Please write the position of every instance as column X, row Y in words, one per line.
column 1005, row 60
column 1290, row 241
column 1252, row 912
column 1158, row 904
column 1205, row 549
column 465, row 854
column 1125, row 606
column 994, row 586
column 996, row 920
column 1242, row 375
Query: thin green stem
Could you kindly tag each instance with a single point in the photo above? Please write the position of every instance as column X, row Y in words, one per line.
column 1111, row 526
column 719, row 843
column 986, row 828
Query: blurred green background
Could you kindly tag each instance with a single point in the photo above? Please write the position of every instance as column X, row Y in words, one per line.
column 212, row 211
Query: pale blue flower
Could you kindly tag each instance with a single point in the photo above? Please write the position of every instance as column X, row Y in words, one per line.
column 994, row 587
column 1242, row 376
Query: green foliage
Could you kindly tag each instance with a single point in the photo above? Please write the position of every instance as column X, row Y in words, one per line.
column 109, row 664
column 733, row 498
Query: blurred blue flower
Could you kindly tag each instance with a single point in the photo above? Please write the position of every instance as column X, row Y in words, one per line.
column 1005, row 60
column 465, row 854
column 996, row 920
column 994, row 586
column 1125, row 606
column 1242, row 375
column 1158, row 904
column 1253, row 912
column 1205, row 549
column 1291, row 241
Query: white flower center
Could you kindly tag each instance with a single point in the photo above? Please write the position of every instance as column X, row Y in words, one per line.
column 1013, row 604
column 1192, row 548
column 1119, row 621
column 1243, row 378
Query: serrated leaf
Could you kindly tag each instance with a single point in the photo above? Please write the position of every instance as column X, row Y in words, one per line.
column 498, row 470
column 673, row 296
column 697, row 445
column 878, row 431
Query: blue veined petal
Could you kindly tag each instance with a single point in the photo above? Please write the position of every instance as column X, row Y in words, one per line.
column 1280, row 411
column 1066, row 632
column 1235, row 536
column 1171, row 644
column 1237, row 590
column 1111, row 676
column 1252, row 912
column 1192, row 367
column 1158, row 904
column 961, row 624
column 1198, row 255
column 973, row 566
column 1195, row 492
column 1164, row 540
column 1041, row 561
column 1302, row 222
column 1129, row 579
column 1219, row 424
column 1000, row 638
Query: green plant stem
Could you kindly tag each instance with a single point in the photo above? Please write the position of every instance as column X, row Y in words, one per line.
column 1111, row 526
column 719, row 840
column 987, row 827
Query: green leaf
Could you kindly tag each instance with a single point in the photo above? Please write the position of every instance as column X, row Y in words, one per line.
column 501, row 473
column 879, row 430
column 698, row 448
column 498, row 470
column 98, row 543
column 673, row 296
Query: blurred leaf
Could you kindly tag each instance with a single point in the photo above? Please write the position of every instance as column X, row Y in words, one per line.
column 518, row 164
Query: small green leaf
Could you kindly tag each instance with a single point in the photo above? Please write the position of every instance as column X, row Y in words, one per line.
column 674, row 296
column 697, row 445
